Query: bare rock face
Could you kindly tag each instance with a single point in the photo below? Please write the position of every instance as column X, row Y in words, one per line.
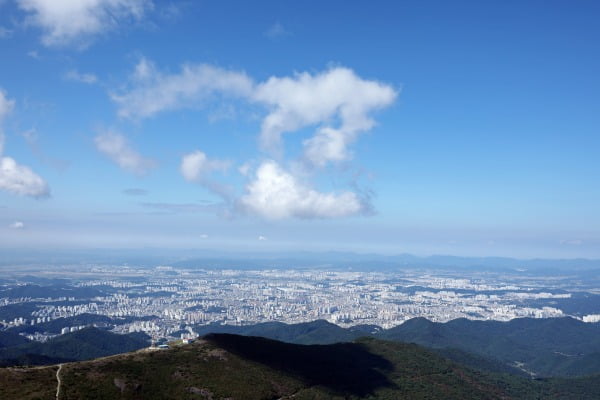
column 207, row 394
column 121, row 384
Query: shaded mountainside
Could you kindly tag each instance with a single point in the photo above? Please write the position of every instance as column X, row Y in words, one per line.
column 315, row 332
column 546, row 347
column 9, row 339
column 225, row 366
column 85, row 344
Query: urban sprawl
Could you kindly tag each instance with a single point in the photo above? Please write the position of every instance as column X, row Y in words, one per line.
column 165, row 301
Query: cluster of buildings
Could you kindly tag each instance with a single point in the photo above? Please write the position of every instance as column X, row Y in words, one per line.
column 169, row 302
column 591, row 318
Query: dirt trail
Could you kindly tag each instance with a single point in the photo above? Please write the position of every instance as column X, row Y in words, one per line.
column 58, row 381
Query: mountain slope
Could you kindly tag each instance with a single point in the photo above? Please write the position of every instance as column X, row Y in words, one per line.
column 224, row 366
column 314, row 332
column 547, row 347
column 9, row 339
column 84, row 344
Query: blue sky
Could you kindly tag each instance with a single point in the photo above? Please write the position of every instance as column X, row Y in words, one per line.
column 467, row 128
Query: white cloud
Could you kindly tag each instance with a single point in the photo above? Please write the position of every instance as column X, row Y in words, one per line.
column 173, row 11
column 277, row 194
column 31, row 137
column 144, row 70
column 179, row 208
column 196, row 165
column 204, row 236
column 15, row 178
column 5, row 33
column 34, row 54
column 277, row 31
column 572, row 242
column 262, row 238
column 328, row 144
column 17, row 225
column 66, row 22
column 337, row 103
column 6, row 107
column 135, row 192
column 337, row 94
column 117, row 148
column 19, row 179
column 244, row 169
column 76, row 76
column 152, row 91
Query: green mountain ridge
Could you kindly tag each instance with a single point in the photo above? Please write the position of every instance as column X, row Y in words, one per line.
column 85, row 344
column 548, row 347
column 544, row 347
column 226, row 366
column 10, row 339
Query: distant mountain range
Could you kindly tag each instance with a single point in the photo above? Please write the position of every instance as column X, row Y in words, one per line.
column 383, row 262
column 225, row 366
column 294, row 259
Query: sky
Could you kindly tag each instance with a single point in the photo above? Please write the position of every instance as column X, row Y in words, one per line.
column 427, row 127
